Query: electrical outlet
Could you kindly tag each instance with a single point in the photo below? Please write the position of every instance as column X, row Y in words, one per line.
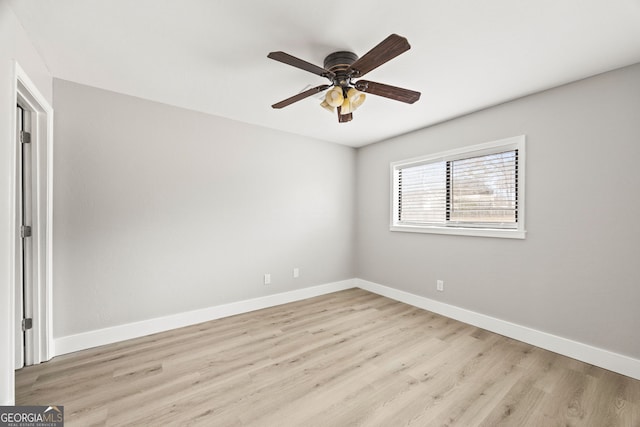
column 296, row 272
column 440, row 285
column 267, row 279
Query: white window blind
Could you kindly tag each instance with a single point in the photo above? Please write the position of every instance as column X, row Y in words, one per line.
column 475, row 188
column 422, row 193
column 484, row 189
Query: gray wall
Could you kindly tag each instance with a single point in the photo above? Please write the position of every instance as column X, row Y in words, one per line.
column 576, row 274
column 161, row 210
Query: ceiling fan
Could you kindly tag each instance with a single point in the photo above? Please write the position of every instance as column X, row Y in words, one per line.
column 341, row 68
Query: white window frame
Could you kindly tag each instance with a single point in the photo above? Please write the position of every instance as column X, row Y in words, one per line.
column 502, row 145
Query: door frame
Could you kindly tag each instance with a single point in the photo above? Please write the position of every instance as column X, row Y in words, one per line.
column 29, row 98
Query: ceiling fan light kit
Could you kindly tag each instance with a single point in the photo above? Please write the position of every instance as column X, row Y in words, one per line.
column 335, row 97
column 356, row 98
column 340, row 68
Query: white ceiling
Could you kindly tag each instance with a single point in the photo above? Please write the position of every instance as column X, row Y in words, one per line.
column 211, row 55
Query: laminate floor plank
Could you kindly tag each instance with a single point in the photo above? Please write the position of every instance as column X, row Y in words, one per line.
column 343, row 359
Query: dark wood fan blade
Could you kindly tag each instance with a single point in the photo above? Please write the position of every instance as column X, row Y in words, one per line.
column 388, row 49
column 391, row 92
column 344, row 118
column 301, row 95
column 299, row 63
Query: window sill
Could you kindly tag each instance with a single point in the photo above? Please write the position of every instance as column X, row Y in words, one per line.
column 461, row 231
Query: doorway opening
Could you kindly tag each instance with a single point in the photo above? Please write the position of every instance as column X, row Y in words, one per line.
column 33, row 203
column 24, row 255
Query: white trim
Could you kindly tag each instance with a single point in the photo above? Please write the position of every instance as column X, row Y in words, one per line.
column 82, row 341
column 606, row 359
column 461, row 231
column 512, row 143
column 7, row 391
column 27, row 93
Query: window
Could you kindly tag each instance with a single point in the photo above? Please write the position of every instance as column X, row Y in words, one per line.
column 476, row 191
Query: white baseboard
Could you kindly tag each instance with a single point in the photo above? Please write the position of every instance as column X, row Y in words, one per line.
column 85, row 340
column 593, row 355
column 596, row 356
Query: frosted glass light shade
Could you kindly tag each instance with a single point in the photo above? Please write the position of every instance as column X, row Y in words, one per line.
column 356, row 98
column 334, row 97
column 327, row 107
column 346, row 107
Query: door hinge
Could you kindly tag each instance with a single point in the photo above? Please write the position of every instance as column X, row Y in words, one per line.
column 25, row 137
column 25, row 231
column 27, row 324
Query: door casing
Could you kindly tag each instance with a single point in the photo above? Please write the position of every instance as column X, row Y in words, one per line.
column 39, row 295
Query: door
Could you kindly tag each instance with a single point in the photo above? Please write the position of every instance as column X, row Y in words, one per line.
column 24, row 288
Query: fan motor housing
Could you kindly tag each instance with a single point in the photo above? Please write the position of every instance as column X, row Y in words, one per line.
column 339, row 62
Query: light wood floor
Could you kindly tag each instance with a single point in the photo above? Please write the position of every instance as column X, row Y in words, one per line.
column 344, row 359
